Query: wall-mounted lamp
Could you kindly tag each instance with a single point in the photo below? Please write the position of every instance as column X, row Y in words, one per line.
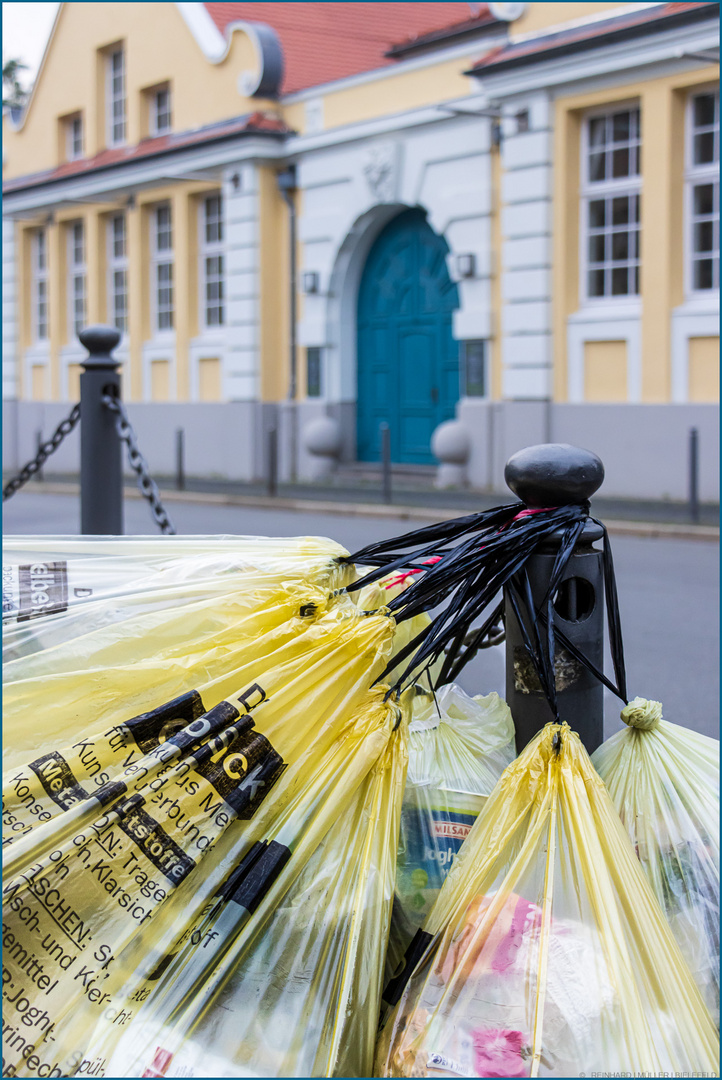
column 466, row 265
column 236, row 181
column 130, row 202
column 310, row 281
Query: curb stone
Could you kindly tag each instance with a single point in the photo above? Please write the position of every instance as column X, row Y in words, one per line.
column 410, row 513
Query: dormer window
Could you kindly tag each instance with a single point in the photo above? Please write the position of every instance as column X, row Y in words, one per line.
column 74, row 141
column 161, row 112
column 116, row 97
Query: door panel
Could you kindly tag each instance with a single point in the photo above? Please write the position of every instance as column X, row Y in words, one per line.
column 408, row 367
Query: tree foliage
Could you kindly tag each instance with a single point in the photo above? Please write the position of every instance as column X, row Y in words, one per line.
column 13, row 93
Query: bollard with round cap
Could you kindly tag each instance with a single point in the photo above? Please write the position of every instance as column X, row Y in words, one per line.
column 101, row 474
column 544, row 476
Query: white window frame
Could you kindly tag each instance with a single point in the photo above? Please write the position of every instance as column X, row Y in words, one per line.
column 155, row 127
column 39, row 246
column 74, row 142
column 592, row 190
column 162, row 257
column 117, row 264
column 116, row 138
column 696, row 175
column 77, row 279
column 210, row 249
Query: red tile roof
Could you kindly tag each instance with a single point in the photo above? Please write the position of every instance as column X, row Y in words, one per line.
column 250, row 123
column 589, row 35
column 326, row 41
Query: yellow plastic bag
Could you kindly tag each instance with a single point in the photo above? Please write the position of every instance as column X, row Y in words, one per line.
column 300, row 994
column 458, row 748
column 546, row 953
column 58, row 588
column 664, row 781
column 321, row 729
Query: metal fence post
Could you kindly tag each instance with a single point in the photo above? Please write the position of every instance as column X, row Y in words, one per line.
column 180, row 473
column 101, row 476
column 38, row 444
column 272, row 453
column 385, row 461
column 544, row 476
column 694, row 474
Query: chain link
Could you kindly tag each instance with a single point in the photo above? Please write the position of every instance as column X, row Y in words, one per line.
column 146, row 484
column 44, row 451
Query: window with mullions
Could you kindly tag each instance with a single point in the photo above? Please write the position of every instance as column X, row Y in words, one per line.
column 703, row 192
column 116, row 98
column 74, row 138
column 118, row 272
column 211, row 262
column 314, row 387
column 611, row 204
column 161, row 117
column 40, row 285
column 163, row 267
column 76, row 277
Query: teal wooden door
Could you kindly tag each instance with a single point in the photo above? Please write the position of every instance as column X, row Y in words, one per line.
column 408, row 360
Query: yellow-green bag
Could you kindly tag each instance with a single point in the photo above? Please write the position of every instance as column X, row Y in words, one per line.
column 546, row 952
column 664, row 781
column 458, row 748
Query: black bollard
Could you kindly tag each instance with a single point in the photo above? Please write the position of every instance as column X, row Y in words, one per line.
column 101, row 475
column 556, row 474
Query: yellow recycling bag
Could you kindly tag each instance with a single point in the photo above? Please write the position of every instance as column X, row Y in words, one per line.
column 458, row 748
column 317, row 749
column 55, row 588
column 664, row 781
column 300, row 994
column 546, row 953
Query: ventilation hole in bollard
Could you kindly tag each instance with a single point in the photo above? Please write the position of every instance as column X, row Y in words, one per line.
column 574, row 600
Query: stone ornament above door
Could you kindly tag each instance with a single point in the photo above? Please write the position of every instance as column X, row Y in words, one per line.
column 381, row 169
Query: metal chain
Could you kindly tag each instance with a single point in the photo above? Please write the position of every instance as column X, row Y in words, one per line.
column 146, row 484
column 44, row 451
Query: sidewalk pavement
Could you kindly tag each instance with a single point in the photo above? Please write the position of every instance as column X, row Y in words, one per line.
column 411, row 498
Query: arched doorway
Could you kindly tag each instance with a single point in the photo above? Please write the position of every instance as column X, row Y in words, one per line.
column 408, row 361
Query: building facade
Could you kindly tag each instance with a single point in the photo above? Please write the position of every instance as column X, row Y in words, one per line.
column 503, row 215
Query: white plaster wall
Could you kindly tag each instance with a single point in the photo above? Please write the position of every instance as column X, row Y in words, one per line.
column 443, row 168
column 526, row 214
column 241, row 352
column 10, row 343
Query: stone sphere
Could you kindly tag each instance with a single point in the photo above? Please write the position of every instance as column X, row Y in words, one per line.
column 451, row 443
column 554, row 474
column 323, row 437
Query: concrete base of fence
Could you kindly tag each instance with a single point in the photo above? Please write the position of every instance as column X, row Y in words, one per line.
column 644, row 447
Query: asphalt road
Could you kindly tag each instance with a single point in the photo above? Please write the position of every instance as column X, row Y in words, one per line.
column 668, row 593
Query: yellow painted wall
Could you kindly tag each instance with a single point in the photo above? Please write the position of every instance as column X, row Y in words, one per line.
column 662, row 108
column 39, row 386
column 704, row 364
column 160, row 380
column 542, row 16
column 159, row 48
column 209, row 379
column 395, row 93
column 605, row 371
column 74, row 373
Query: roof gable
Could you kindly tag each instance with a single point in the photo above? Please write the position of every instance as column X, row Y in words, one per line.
column 323, row 42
